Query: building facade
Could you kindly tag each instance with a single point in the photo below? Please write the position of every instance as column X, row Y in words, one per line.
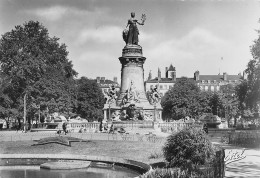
column 210, row 83
column 105, row 84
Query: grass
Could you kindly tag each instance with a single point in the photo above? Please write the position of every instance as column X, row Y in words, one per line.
column 155, row 154
column 139, row 151
column 248, row 139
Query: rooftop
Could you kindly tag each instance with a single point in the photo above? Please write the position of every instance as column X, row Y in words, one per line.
column 106, row 83
column 217, row 78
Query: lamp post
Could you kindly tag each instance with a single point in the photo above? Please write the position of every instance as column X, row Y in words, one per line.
column 39, row 116
column 24, row 111
column 109, row 113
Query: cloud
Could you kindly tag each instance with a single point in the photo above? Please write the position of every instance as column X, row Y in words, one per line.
column 94, row 63
column 57, row 12
column 200, row 38
column 194, row 50
column 198, row 42
column 53, row 13
column 105, row 34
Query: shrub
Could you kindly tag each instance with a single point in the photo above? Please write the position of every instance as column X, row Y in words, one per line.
column 188, row 149
column 155, row 155
column 169, row 173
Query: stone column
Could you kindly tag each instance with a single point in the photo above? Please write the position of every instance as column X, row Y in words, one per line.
column 105, row 113
column 132, row 61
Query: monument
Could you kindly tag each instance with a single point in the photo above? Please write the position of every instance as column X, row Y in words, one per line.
column 133, row 102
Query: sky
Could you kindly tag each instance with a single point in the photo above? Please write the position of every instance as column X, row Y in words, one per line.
column 211, row 36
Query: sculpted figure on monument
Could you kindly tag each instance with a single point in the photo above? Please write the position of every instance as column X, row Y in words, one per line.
column 111, row 95
column 130, row 35
column 154, row 96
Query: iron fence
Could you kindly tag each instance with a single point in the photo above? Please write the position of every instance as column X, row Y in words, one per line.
column 133, row 124
column 173, row 127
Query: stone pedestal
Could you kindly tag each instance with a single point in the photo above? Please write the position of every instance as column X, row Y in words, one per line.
column 132, row 92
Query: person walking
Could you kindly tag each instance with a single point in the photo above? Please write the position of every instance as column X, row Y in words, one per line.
column 205, row 128
column 64, row 127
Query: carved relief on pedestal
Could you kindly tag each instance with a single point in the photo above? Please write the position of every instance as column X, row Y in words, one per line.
column 148, row 115
column 132, row 51
column 131, row 96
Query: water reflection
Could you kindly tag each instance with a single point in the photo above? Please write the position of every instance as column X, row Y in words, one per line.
column 91, row 172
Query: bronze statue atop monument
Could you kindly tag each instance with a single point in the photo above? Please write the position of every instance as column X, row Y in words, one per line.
column 130, row 35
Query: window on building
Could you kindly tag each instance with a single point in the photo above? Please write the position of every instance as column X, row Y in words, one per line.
column 212, row 88
column 206, row 88
column 165, row 87
column 202, row 81
column 208, row 81
column 161, row 86
column 215, row 81
column 217, row 88
column 201, row 88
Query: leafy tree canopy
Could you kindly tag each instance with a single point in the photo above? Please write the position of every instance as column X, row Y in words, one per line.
column 248, row 91
column 90, row 99
column 253, row 72
column 185, row 99
column 35, row 64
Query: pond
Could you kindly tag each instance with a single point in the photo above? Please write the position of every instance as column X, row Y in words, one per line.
column 95, row 171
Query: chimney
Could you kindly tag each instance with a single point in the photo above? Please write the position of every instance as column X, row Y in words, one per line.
column 98, row 79
column 166, row 72
column 197, row 75
column 173, row 75
column 150, row 75
column 103, row 78
column 115, row 79
column 159, row 74
column 225, row 76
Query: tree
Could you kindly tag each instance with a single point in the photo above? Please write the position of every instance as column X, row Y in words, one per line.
column 248, row 92
column 241, row 93
column 216, row 103
column 184, row 99
column 253, row 77
column 29, row 58
column 6, row 103
column 229, row 102
column 90, row 99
